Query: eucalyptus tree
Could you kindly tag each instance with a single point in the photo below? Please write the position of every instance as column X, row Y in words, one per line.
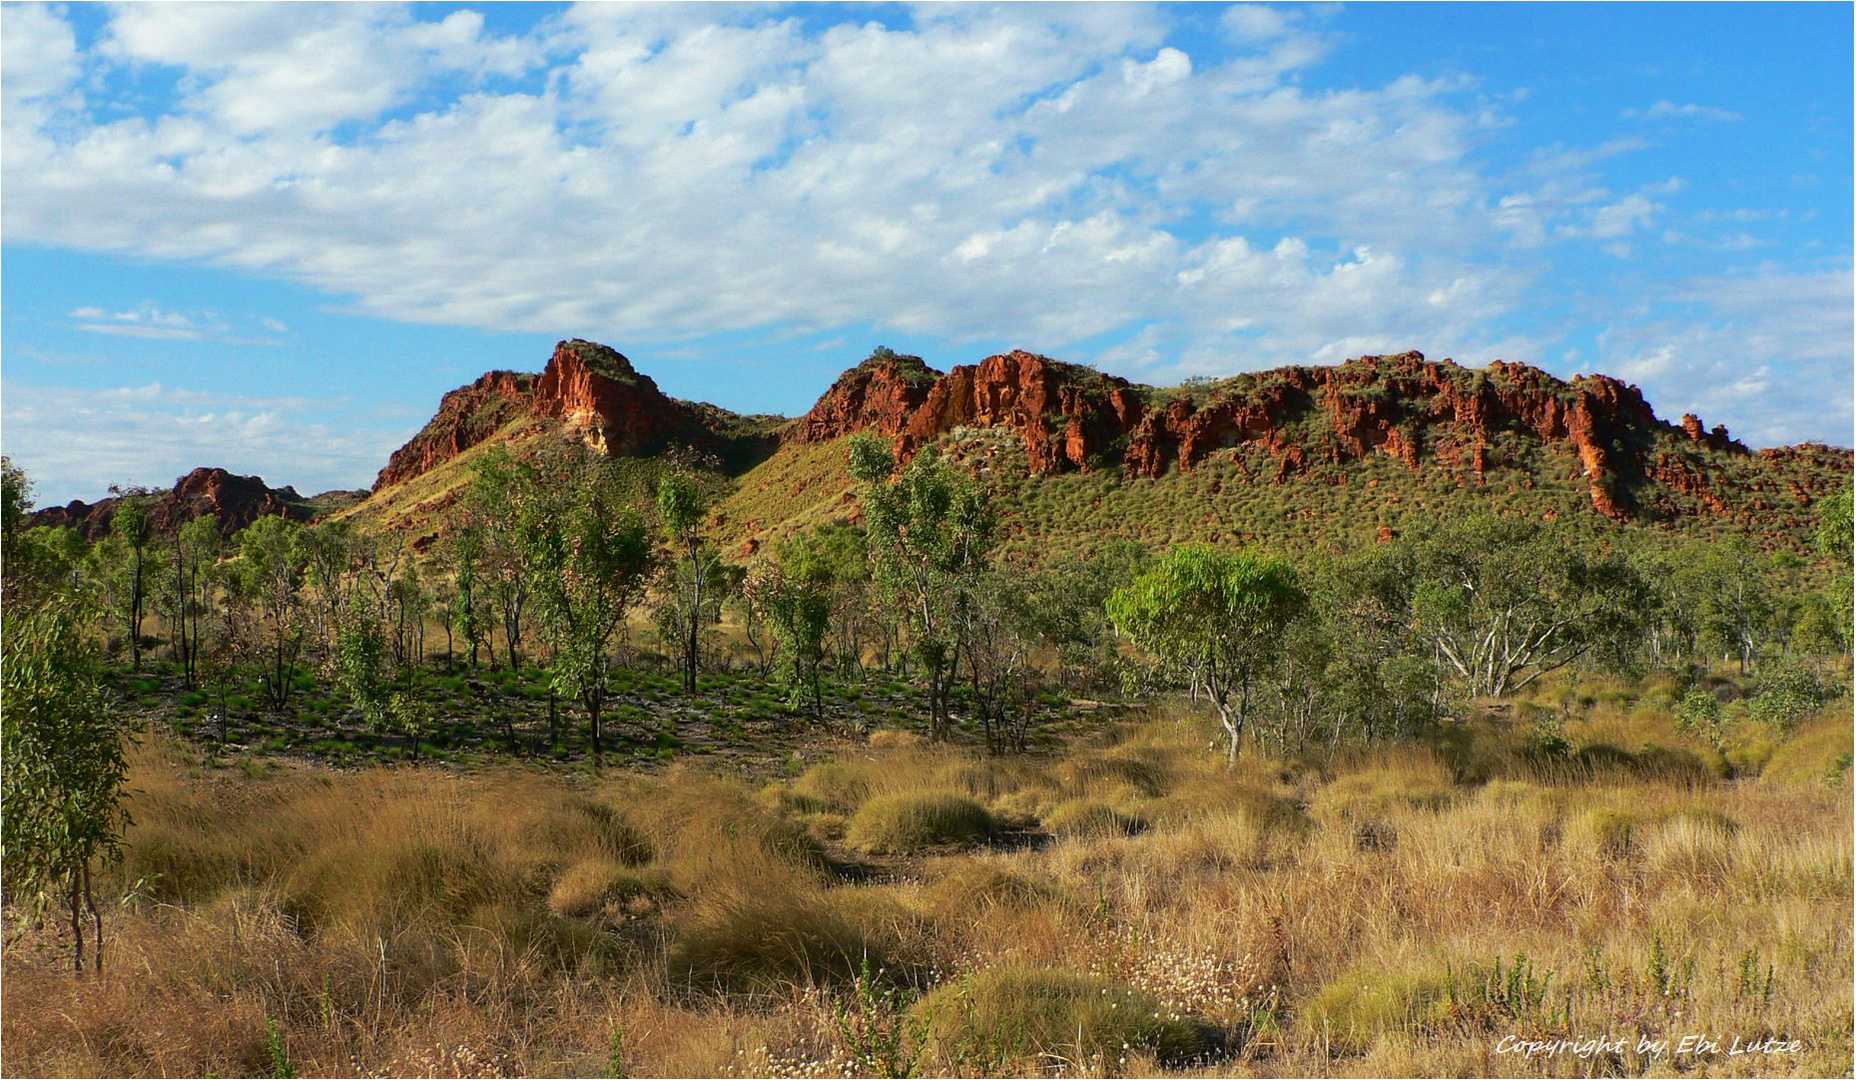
column 195, row 549
column 682, row 504
column 1215, row 617
column 61, row 791
column 497, row 483
column 133, row 528
column 1501, row 602
column 589, row 560
column 928, row 532
column 796, row 601
column 269, row 582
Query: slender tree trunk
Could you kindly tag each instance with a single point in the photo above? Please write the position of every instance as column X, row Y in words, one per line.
column 592, row 711
column 96, row 920
column 77, row 926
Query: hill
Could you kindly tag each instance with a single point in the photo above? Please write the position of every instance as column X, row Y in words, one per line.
column 1076, row 457
column 1292, row 454
column 236, row 501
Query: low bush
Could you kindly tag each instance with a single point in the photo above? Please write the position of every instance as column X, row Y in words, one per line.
column 1013, row 1014
column 906, row 824
column 1354, row 1011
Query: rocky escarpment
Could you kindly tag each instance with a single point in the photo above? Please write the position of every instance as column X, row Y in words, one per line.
column 1425, row 414
column 236, row 501
column 593, row 392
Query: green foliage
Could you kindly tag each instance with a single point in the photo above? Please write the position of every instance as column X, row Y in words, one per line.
column 1786, row 694
column 281, row 1069
column 795, row 597
column 64, row 766
column 1503, row 602
column 928, row 532
column 1214, row 617
column 1834, row 526
column 1699, row 713
column 877, row 1031
column 588, row 558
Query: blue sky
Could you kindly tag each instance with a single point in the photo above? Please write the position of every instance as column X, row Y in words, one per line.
column 269, row 237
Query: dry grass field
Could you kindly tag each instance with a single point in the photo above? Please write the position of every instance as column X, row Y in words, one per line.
column 1129, row 906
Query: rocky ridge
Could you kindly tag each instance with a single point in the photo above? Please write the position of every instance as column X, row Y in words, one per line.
column 1418, row 411
column 236, row 501
column 592, row 390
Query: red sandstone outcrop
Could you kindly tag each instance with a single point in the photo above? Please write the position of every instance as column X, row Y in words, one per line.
column 1422, row 413
column 592, row 389
column 236, row 501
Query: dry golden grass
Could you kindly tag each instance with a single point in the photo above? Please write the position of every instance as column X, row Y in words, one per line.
column 1340, row 915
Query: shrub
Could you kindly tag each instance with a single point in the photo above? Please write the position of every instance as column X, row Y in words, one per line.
column 903, row 824
column 1819, row 752
column 1021, row 1012
column 747, row 939
column 1086, row 817
column 973, row 885
column 1609, row 832
column 1351, row 1013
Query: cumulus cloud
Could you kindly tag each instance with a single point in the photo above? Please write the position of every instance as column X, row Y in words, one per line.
column 1013, row 173
column 1767, row 353
column 73, row 443
column 1048, row 176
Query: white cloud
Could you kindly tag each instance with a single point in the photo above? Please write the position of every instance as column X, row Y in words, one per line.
column 1039, row 174
column 74, row 443
column 690, row 170
column 148, row 320
column 1767, row 353
column 1669, row 110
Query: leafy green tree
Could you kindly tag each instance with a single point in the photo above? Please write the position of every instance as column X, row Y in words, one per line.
column 1735, row 604
column 468, row 614
column 1502, row 602
column 193, row 551
column 498, row 484
column 1699, row 713
column 269, row 580
column 682, row 504
column 1834, row 540
column 590, row 558
column 1001, row 635
column 361, row 663
column 1834, row 526
column 62, row 808
column 132, row 526
column 328, row 551
column 15, row 504
column 1214, row 617
column 928, row 531
column 796, row 601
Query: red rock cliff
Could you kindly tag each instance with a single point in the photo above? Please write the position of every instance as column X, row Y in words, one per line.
column 1422, row 413
column 591, row 389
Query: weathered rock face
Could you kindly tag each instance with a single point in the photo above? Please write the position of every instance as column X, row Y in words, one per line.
column 880, row 395
column 591, row 389
column 1069, row 416
column 1422, row 413
column 236, row 501
column 466, row 416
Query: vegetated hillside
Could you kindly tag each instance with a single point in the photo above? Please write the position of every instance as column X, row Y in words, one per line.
column 236, row 501
column 1076, row 457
